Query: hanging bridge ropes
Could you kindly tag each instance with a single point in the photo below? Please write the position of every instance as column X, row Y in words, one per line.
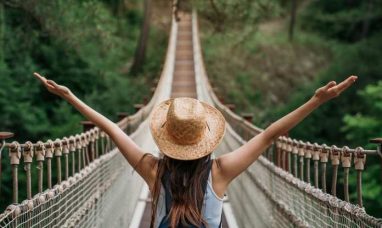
column 83, row 180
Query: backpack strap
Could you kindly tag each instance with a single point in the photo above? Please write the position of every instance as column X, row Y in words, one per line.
column 168, row 198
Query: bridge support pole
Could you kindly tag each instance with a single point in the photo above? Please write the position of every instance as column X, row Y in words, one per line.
column 87, row 126
column 28, row 156
column 359, row 164
column 58, row 154
column 15, row 154
column 335, row 158
column 346, row 164
column 323, row 160
column 65, row 152
column 40, row 157
column 3, row 137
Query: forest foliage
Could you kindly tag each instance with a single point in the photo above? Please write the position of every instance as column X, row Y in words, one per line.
column 86, row 45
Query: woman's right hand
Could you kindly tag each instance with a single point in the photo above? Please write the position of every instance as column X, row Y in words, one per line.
column 53, row 87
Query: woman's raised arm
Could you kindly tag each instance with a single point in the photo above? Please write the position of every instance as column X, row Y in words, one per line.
column 130, row 150
column 232, row 164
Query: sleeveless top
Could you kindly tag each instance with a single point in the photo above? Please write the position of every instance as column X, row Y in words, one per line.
column 211, row 210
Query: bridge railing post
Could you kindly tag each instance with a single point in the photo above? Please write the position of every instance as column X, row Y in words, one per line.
column 335, row 161
column 58, row 154
column 3, row 137
column 301, row 153
column 289, row 154
column 40, row 157
column 316, row 158
column 49, row 156
column 65, row 152
column 346, row 164
column 324, row 160
column 359, row 164
column 308, row 158
column 28, row 158
column 294, row 151
column 87, row 126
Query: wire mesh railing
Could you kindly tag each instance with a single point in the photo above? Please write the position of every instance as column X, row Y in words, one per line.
column 278, row 189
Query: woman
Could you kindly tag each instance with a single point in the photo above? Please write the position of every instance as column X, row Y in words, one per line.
column 185, row 192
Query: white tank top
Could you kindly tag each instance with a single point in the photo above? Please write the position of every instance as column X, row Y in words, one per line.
column 211, row 210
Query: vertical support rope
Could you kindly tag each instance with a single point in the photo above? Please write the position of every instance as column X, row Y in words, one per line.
column 65, row 151
column 316, row 158
column 85, row 152
column 346, row 184
column 72, row 149
column 308, row 157
column 359, row 163
column 96, row 143
column 102, row 135
column 28, row 156
column 49, row 156
column 278, row 151
column 15, row 154
column 295, row 152
column 58, row 154
column 324, row 159
column 301, row 153
column 289, row 158
column 40, row 157
column 346, row 164
column 79, row 153
column 283, row 154
column 335, row 158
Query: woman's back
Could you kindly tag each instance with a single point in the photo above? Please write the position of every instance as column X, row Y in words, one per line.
column 211, row 210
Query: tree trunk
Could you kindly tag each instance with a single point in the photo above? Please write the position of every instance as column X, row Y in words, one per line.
column 292, row 19
column 140, row 51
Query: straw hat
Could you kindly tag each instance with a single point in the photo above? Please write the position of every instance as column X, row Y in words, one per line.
column 186, row 129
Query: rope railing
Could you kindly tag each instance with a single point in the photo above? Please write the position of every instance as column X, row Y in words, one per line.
column 288, row 161
column 81, row 172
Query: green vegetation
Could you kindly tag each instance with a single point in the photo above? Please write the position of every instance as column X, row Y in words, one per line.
column 87, row 45
column 254, row 65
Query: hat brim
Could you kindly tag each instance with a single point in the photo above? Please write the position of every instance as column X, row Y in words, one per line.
column 166, row 144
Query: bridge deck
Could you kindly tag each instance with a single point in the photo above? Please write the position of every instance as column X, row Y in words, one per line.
column 183, row 84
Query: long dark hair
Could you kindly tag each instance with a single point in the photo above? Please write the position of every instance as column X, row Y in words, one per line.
column 185, row 187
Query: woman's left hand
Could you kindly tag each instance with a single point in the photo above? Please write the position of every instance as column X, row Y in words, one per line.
column 332, row 90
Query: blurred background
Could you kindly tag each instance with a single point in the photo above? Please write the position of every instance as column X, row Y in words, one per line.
column 265, row 56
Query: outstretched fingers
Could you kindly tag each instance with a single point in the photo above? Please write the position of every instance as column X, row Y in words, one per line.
column 52, row 83
column 43, row 80
column 330, row 85
column 38, row 76
column 345, row 84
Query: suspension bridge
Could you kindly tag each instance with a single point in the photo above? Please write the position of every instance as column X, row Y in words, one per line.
column 84, row 181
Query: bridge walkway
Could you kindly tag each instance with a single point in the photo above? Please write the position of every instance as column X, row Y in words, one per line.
column 183, row 84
